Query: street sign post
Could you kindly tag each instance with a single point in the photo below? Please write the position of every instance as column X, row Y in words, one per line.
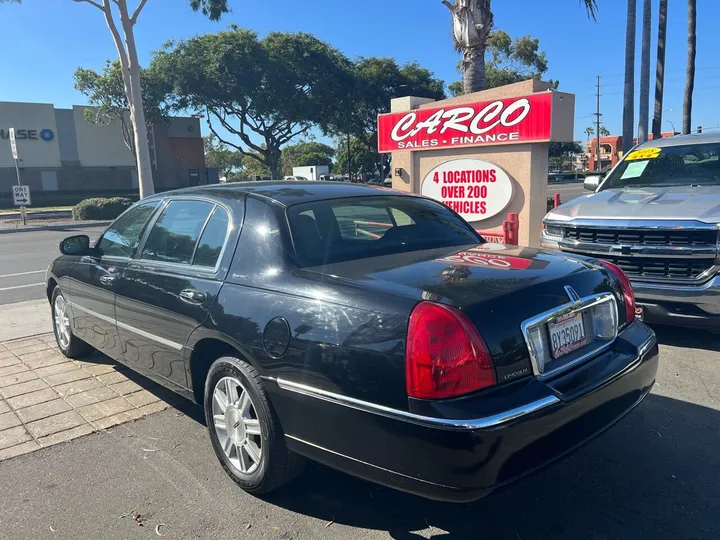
column 13, row 144
column 21, row 194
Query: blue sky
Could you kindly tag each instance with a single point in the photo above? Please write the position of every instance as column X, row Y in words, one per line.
column 44, row 41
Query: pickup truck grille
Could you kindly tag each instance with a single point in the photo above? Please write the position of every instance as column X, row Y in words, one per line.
column 661, row 268
column 693, row 252
column 649, row 238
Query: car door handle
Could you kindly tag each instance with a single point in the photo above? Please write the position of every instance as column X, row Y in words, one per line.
column 107, row 279
column 192, row 296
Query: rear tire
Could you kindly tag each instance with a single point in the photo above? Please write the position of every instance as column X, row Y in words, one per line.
column 244, row 430
column 68, row 343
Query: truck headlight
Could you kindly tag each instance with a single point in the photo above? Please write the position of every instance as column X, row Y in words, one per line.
column 553, row 230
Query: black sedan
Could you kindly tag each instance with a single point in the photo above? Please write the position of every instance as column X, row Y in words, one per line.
column 373, row 331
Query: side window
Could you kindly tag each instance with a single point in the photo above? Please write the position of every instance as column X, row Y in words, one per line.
column 212, row 239
column 175, row 233
column 123, row 236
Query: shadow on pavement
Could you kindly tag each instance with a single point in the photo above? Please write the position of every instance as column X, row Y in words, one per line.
column 687, row 337
column 655, row 475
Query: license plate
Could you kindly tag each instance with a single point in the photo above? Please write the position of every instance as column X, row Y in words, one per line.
column 567, row 334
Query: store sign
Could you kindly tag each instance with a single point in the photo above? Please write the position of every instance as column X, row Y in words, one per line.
column 474, row 188
column 46, row 135
column 504, row 121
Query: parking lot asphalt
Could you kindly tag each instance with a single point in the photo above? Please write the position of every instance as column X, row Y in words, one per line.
column 655, row 476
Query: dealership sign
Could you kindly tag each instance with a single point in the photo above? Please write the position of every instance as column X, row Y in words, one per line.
column 504, row 121
column 474, row 188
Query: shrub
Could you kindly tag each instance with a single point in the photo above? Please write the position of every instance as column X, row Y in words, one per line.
column 551, row 203
column 100, row 208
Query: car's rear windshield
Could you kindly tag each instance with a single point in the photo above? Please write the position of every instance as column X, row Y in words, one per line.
column 684, row 165
column 341, row 230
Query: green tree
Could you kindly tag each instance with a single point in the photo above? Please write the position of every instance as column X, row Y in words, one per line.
column 562, row 154
column 604, row 132
column 589, row 131
column 121, row 19
column 690, row 69
column 509, row 61
column 472, row 22
column 376, row 81
column 229, row 162
column 362, row 157
column 108, row 101
column 305, row 154
column 264, row 92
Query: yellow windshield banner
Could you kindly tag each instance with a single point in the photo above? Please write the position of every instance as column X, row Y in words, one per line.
column 643, row 153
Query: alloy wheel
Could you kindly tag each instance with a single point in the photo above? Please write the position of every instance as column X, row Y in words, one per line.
column 237, row 425
column 62, row 322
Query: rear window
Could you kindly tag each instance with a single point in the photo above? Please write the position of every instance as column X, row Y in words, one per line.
column 347, row 229
column 685, row 165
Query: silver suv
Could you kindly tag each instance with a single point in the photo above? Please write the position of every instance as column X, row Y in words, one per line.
column 655, row 215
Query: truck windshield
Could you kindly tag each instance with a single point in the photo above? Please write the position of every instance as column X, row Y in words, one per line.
column 347, row 229
column 686, row 165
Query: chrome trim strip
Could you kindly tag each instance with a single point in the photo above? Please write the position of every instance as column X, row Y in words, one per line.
column 143, row 333
column 669, row 225
column 648, row 344
column 565, row 309
column 427, row 421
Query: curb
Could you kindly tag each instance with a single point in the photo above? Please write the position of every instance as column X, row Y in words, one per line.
column 80, row 225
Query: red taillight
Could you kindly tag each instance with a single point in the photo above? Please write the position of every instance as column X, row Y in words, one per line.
column 446, row 356
column 626, row 288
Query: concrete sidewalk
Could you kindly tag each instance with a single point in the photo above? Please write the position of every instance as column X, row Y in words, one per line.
column 46, row 398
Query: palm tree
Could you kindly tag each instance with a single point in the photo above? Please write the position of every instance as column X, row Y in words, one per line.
column 604, row 132
column 629, row 91
column 660, row 73
column 645, row 73
column 589, row 131
column 690, row 72
column 472, row 23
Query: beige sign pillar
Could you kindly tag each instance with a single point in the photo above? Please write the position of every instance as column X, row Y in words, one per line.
column 470, row 127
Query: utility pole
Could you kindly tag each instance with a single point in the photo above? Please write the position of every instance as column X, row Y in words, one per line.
column 597, row 123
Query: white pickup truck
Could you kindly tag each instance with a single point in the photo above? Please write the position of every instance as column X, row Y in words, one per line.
column 656, row 215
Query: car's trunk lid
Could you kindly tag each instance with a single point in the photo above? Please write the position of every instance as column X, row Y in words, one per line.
column 497, row 287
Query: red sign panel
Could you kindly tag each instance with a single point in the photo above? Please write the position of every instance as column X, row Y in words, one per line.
column 504, row 121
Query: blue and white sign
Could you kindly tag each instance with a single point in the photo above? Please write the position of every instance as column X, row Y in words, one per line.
column 47, row 135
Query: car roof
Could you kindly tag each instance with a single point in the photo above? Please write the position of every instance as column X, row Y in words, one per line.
column 286, row 193
column 680, row 140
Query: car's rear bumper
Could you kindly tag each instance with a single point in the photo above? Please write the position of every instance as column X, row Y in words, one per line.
column 460, row 459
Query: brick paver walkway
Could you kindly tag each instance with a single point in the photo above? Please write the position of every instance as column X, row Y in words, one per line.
column 46, row 398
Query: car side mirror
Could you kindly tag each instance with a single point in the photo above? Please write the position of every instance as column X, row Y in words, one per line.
column 78, row 245
column 592, row 182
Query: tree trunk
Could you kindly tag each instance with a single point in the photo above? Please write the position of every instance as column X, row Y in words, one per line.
column 474, row 69
column 660, row 73
column 645, row 73
column 137, row 110
column 690, row 73
column 629, row 92
column 274, row 163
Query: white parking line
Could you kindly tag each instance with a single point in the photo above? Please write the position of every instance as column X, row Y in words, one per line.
column 21, row 286
column 23, row 273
